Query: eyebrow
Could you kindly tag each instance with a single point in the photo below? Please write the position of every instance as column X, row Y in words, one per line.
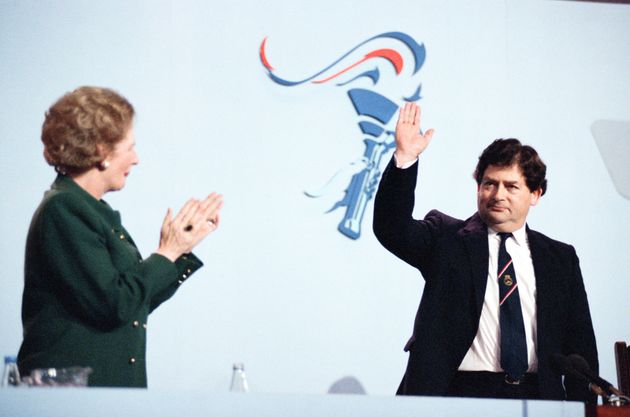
column 494, row 180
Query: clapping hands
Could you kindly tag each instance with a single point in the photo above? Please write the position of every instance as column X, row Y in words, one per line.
column 196, row 220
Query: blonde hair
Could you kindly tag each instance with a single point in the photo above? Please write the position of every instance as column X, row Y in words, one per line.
column 83, row 126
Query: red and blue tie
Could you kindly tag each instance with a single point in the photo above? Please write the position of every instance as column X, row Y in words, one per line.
column 513, row 343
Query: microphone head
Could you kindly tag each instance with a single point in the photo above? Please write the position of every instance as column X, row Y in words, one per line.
column 561, row 364
column 580, row 365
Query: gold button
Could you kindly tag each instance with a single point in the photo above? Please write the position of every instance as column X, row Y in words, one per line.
column 136, row 323
column 122, row 237
column 132, row 361
column 184, row 276
column 188, row 271
column 144, row 326
column 180, row 281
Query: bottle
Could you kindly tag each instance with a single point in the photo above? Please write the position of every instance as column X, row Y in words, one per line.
column 239, row 380
column 11, row 374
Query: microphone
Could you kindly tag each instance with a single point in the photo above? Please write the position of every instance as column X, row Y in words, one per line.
column 581, row 366
column 563, row 365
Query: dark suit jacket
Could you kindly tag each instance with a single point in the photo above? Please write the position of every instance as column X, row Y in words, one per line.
column 88, row 292
column 452, row 256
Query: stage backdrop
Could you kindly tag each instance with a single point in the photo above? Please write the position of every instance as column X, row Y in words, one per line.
column 287, row 109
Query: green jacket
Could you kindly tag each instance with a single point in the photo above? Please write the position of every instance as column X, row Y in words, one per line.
column 87, row 290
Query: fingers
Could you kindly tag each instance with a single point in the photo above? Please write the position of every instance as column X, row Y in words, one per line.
column 217, row 220
column 211, row 201
column 212, row 225
column 203, row 216
column 409, row 114
column 403, row 116
column 211, row 206
column 416, row 114
column 185, row 215
column 194, row 221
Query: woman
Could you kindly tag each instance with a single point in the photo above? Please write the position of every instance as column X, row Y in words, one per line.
column 87, row 290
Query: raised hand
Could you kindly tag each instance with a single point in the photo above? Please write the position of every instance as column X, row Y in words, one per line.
column 410, row 142
column 191, row 225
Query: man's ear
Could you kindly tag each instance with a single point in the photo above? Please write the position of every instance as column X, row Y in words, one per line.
column 535, row 197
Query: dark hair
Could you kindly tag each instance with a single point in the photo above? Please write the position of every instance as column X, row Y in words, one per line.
column 83, row 124
column 506, row 152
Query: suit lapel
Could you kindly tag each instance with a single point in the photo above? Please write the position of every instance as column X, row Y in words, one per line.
column 475, row 238
column 545, row 288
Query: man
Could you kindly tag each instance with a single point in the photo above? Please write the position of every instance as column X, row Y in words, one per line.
column 499, row 300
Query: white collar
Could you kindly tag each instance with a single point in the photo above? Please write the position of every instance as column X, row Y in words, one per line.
column 519, row 235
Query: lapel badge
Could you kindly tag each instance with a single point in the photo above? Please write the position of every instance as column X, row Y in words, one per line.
column 507, row 280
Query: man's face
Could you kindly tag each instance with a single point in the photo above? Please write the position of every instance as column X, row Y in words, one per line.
column 503, row 198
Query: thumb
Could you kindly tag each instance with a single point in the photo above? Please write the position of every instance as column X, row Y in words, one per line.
column 168, row 218
column 428, row 135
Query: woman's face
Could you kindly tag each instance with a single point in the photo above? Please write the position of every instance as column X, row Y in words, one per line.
column 120, row 160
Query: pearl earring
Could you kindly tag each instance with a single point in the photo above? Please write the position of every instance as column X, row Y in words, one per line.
column 104, row 164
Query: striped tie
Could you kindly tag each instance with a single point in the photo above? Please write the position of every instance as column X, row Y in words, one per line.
column 513, row 343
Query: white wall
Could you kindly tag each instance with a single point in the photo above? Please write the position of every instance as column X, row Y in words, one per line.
column 282, row 290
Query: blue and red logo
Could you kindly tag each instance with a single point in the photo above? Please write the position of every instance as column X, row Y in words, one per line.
column 384, row 52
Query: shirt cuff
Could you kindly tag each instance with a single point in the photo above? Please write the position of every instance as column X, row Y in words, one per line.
column 404, row 166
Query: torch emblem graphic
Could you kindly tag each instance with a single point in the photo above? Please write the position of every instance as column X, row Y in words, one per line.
column 374, row 109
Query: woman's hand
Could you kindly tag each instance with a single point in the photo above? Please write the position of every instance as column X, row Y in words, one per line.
column 190, row 226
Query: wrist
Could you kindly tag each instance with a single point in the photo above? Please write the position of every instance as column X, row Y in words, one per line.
column 168, row 254
column 403, row 160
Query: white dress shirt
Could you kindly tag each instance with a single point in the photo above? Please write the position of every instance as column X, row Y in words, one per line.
column 485, row 352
